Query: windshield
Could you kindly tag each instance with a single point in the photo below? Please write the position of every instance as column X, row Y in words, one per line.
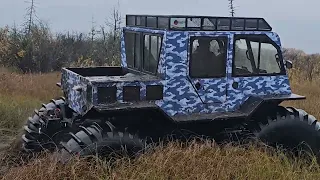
column 256, row 55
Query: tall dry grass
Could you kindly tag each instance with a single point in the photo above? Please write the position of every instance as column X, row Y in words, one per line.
column 309, row 89
column 20, row 94
column 34, row 86
column 174, row 161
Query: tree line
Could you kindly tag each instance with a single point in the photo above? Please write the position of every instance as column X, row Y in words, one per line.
column 39, row 50
column 305, row 66
column 34, row 48
column 42, row 51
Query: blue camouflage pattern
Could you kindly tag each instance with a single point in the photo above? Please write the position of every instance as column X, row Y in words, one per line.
column 123, row 50
column 179, row 94
column 76, row 99
column 120, row 86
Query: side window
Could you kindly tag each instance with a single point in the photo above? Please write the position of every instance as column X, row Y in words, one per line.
column 151, row 53
column 269, row 52
column 143, row 51
column 256, row 55
column 133, row 49
column 129, row 41
column 208, row 57
column 137, row 58
column 241, row 60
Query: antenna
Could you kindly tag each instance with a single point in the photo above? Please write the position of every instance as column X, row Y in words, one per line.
column 232, row 8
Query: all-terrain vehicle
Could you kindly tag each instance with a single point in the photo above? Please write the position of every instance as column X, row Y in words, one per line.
column 180, row 76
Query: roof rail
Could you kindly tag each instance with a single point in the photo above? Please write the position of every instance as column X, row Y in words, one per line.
column 197, row 23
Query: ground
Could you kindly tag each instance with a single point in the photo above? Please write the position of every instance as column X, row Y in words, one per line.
column 21, row 94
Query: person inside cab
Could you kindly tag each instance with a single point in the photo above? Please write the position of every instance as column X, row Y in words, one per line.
column 204, row 62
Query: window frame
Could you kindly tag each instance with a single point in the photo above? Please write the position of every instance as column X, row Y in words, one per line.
column 269, row 41
column 142, row 43
column 225, row 38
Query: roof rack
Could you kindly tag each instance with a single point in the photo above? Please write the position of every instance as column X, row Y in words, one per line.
column 203, row 23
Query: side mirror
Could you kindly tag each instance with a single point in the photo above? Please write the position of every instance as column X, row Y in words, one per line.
column 288, row 64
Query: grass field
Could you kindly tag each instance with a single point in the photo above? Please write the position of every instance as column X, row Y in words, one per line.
column 21, row 94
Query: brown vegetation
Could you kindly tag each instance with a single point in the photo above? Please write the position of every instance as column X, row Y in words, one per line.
column 20, row 94
column 174, row 161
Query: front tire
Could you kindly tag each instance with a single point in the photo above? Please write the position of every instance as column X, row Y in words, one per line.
column 39, row 134
column 293, row 130
column 94, row 139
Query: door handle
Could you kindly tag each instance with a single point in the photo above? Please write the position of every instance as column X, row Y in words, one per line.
column 235, row 85
column 198, row 85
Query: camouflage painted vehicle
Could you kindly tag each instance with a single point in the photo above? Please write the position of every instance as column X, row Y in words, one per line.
column 181, row 76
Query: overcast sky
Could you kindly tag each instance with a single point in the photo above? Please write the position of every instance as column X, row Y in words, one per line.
column 297, row 22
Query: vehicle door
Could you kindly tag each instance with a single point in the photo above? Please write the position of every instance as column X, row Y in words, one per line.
column 207, row 67
column 258, row 68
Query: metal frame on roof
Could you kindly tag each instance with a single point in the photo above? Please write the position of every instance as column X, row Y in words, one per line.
column 198, row 23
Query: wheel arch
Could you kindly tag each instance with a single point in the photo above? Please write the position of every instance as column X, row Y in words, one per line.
column 145, row 120
column 257, row 105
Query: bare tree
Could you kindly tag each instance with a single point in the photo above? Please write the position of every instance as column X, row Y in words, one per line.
column 232, row 7
column 292, row 54
column 30, row 16
column 93, row 29
column 115, row 20
column 103, row 34
column 114, row 23
column 26, row 62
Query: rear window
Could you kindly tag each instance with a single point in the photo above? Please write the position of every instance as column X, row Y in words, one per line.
column 143, row 51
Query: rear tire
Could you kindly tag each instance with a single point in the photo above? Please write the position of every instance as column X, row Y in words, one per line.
column 293, row 130
column 95, row 140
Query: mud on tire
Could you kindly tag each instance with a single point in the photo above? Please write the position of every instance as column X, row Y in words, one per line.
column 37, row 134
column 293, row 130
column 101, row 141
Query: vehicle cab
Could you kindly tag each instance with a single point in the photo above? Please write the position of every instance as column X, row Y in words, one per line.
column 206, row 64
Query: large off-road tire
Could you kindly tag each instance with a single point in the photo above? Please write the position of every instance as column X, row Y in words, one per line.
column 293, row 130
column 38, row 135
column 101, row 141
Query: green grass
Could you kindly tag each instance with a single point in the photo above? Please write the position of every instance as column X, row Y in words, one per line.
column 14, row 111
